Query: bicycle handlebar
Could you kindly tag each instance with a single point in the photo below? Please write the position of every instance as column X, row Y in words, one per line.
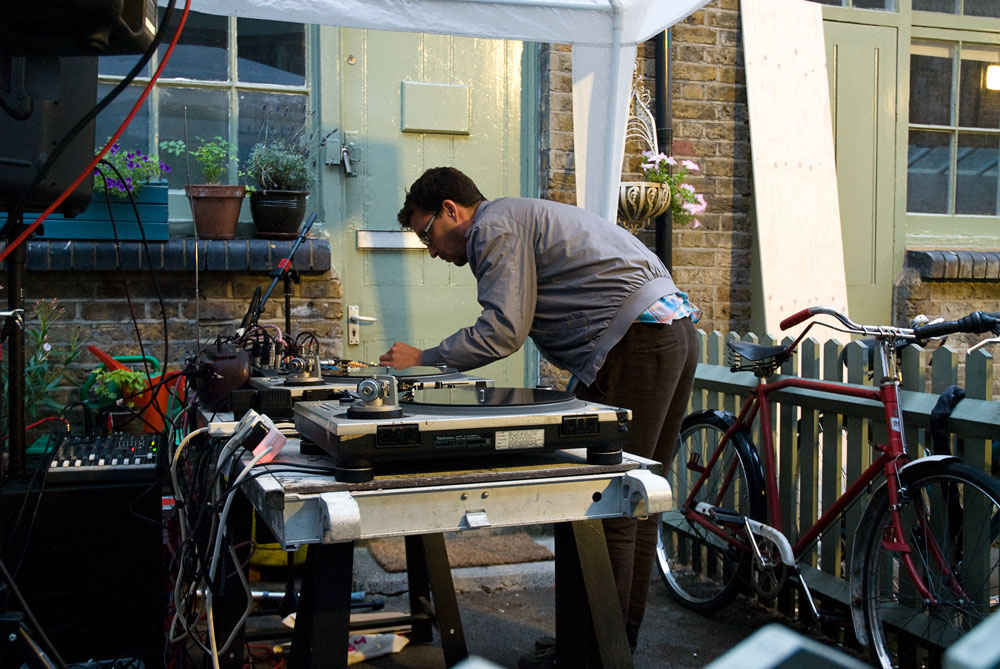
column 977, row 322
column 796, row 318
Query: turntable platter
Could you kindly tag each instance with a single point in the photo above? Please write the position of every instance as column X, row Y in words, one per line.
column 407, row 373
column 497, row 397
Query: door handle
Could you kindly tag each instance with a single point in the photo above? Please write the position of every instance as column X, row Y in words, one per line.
column 354, row 321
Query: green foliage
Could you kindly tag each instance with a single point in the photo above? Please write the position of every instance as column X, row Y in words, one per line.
column 214, row 156
column 45, row 364
column 111, row 385
column 277, row 166
column 135, row 167
column 685, row 203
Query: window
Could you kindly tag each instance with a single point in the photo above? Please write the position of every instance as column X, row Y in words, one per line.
column 954, row 130
column 230, row 77
column 988, row 8
column 884, row 5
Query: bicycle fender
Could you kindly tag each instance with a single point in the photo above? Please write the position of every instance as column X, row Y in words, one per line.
column 857, row 559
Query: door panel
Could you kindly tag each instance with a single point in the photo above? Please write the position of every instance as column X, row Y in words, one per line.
column 861, row 62
column 415, row 298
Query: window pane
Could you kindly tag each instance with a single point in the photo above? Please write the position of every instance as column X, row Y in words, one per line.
column 978, row 107
column 201, row 51
column 948, row 6
column 271, row 52
column 873, row 4
column 270, row 116
column 976, row 185
column 928, row 170
column 136, row 135
column 207, row 117
column 120, row 65
column 930, row 87
column 982, row 8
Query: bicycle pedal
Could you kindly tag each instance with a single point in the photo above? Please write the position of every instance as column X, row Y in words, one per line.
column 724, row 515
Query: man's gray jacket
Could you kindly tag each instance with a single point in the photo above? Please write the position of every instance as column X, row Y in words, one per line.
column 564, row 276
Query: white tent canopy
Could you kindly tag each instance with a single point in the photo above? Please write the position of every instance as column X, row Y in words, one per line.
column 604, row 35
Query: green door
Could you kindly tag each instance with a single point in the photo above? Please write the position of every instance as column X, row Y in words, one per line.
column 861, row 61
column 405, row 102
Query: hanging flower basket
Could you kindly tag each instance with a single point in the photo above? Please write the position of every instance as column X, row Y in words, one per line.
column 640, row 201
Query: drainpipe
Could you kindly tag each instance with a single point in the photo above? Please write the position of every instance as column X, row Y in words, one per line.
column 663, row 116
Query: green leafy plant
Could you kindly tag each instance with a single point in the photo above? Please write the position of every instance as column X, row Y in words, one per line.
column 277, row 166
column 685, row 203
column 136, row 168
column 213, row 155
column 111, row 385
column 46, row 364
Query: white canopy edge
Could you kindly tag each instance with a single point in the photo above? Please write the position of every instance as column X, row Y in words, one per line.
column 604, row 35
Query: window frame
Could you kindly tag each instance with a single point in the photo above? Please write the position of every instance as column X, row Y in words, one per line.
column 178, row 205
column 949, row 229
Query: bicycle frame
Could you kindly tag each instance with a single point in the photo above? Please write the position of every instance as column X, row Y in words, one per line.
column 892, row 457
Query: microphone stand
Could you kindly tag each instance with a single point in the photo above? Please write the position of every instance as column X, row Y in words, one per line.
column 284, row 272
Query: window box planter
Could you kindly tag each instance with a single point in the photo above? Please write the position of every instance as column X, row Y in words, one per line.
column 94, row 223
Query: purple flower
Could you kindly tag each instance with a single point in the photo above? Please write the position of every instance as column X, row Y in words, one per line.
column 165, row 168
column 115, row 148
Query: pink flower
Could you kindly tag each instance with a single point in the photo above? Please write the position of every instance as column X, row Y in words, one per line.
column 688, row 187
column 692, row 166
column 670, row 160
column 695, row 223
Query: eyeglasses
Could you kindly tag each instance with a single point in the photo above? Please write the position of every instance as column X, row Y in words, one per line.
column 424, row 235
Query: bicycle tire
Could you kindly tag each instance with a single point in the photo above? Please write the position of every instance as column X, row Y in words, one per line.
column 967, row 532
column 700, row 571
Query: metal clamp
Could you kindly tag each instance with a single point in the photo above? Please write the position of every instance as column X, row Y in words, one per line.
column 645, row 493
column 340, row 517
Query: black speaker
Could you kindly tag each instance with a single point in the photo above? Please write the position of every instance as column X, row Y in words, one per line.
column 92, row 571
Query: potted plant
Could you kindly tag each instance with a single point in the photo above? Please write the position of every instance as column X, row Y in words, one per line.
column 140, row 176
column 50, row 349
column 215, row 207
column 278, row 180
column 660, row 189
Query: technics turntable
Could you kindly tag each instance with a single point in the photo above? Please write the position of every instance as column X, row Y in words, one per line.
column 337, row 382
column 462, row 422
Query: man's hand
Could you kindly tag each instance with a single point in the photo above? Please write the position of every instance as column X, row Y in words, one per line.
column 401, row 356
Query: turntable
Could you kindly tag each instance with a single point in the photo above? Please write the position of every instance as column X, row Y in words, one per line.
column 305, row 383
column 387, row 426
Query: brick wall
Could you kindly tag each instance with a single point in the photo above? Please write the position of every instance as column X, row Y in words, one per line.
column 96, row 308
column 710, row 127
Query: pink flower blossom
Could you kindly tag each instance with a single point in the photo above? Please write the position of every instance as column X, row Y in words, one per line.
column 688, row 187
column 690, row 165
column 695, row 223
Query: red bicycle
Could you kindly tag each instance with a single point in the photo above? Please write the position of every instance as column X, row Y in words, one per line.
column 926, row 556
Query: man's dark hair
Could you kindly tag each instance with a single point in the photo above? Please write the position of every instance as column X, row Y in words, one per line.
column 434, row 187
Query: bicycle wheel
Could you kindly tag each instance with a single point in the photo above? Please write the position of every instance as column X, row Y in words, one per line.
column 701, row 571
column 951, row 520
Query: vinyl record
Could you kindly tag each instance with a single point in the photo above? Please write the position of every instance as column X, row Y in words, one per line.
column 407, row 373
column 497, row 397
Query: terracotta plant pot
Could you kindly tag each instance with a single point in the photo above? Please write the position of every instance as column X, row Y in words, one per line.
column 216, row 209
column 277, row 214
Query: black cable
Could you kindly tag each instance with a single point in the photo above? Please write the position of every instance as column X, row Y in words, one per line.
column 92, row 114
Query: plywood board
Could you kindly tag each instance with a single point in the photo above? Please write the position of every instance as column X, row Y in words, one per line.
column 794, row 169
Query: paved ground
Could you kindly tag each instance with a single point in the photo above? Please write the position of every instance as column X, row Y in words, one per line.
column 505, row 609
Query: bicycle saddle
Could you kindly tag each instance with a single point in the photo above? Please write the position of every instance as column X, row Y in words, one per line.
column 755, row 352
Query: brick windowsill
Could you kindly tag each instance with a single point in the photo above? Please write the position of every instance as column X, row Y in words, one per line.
column 955, row 265
column 177, row 255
